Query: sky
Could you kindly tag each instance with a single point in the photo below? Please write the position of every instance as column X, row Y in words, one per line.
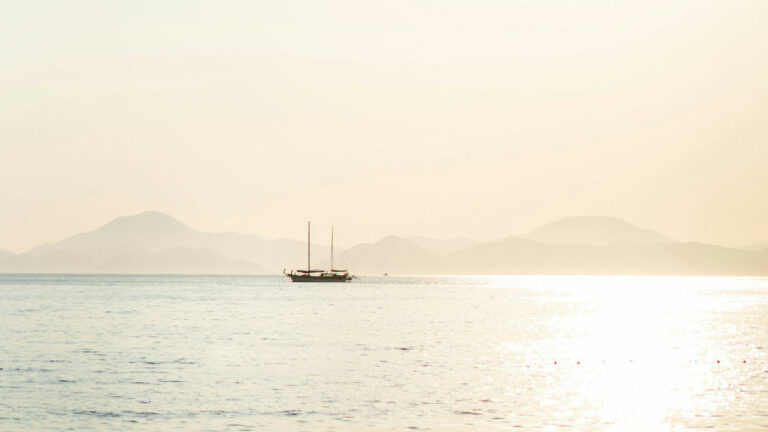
column 441, row 118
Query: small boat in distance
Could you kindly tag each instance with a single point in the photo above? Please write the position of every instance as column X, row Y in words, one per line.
column 310, row 275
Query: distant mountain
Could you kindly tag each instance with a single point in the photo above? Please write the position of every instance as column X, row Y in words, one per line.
column 580, row 245
column 523, row 256
column 6, row 254
column 756, row 246
column 391, row 254
column 146, row 232
column 179, row 260
column 173, row 260
column 443, row 246
column 596, row 231
column 151, row 240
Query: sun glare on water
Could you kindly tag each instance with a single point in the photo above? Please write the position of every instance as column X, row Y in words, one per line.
column 636, row 353
column 643, row 356
column 643, row 370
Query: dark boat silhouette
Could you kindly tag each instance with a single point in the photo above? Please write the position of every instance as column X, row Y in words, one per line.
column 313, row 275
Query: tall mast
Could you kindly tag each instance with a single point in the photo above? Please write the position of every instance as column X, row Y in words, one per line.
column 309, row 266
column 331, row 248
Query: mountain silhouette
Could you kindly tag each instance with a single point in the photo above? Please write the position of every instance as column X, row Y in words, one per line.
column 756, row 246
column 392, row 253
column 442, row 246
column 150, row 241
column 596, row 231
column 153, row 242
column 523, row 256
column 579, row 245
column 150, row 231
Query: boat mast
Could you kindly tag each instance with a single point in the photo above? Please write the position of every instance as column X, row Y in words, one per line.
column 331, row 249
column 309, row 266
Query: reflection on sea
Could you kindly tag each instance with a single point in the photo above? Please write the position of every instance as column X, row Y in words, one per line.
column 423, row 353
column 652, row 353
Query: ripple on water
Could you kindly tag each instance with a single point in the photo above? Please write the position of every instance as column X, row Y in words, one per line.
column 257, row 353
column 96, row 413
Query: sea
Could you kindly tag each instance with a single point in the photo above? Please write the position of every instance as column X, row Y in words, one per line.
column 437, row 353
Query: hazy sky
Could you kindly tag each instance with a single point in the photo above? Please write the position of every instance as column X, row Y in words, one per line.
column 455, row 117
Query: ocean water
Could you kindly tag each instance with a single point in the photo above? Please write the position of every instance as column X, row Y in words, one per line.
column 551, row 353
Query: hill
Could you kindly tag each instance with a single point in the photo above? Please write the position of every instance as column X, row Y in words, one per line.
column 522, row 256
column 391, row 254
column 442, row 246
column 150, row 241
column 596, row 231
column 756, row 246
column 178, row 260
column 153, row 242
column 578, row 245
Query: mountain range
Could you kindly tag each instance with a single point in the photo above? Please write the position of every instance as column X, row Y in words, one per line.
column 152, row 242
column 596, row 231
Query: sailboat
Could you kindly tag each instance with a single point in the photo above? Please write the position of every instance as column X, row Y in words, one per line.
column 312, row 275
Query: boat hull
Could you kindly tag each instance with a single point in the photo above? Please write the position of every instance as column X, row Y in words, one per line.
column 321, row 278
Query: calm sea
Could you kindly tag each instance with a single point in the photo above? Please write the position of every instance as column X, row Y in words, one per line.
column 106, row 352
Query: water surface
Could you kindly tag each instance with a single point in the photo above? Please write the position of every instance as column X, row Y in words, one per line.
column 552, row 353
